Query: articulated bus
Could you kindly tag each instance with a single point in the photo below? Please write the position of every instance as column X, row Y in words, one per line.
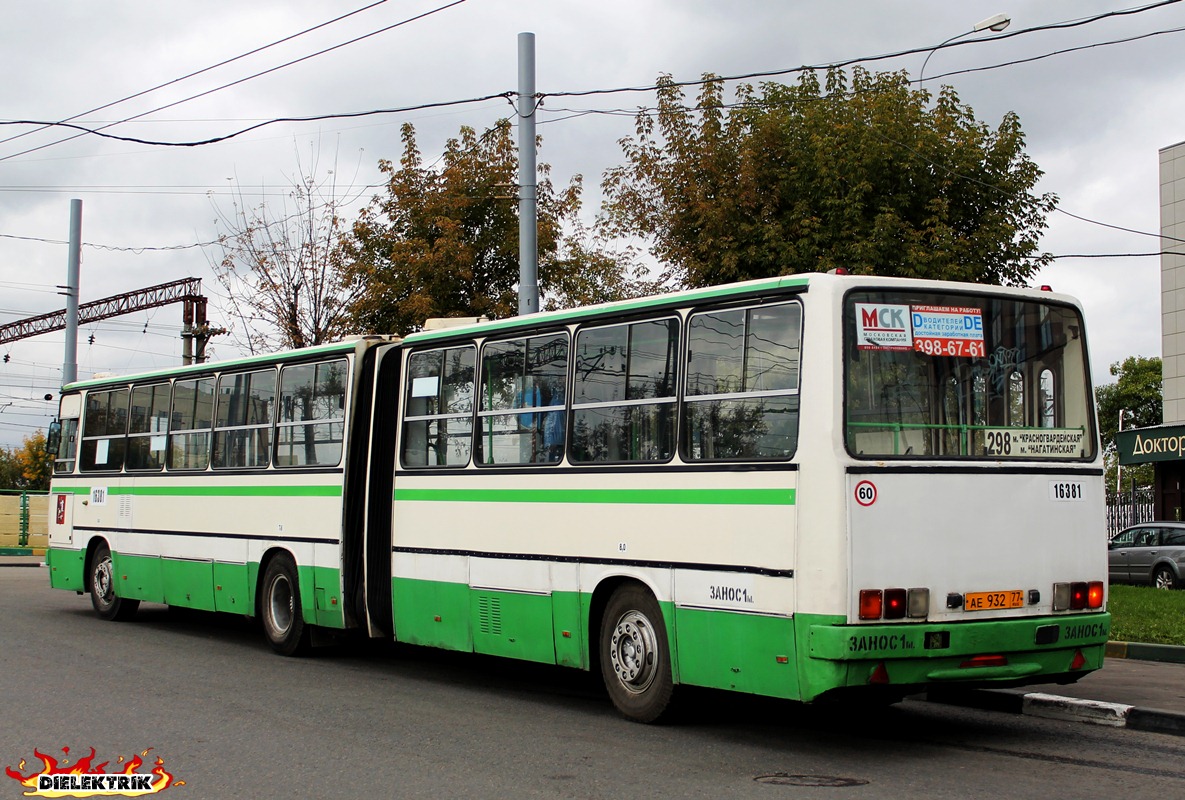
column 803, row 487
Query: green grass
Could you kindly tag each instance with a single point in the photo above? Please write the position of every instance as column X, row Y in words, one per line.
column 1144, row 614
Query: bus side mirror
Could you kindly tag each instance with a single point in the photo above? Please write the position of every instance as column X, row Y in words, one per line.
column 53, row 439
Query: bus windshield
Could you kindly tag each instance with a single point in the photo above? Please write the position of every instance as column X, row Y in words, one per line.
column 952, row 376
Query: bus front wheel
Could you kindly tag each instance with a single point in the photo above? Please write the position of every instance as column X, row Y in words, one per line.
column 107, row 604
column 635, row 655
column 283, row 623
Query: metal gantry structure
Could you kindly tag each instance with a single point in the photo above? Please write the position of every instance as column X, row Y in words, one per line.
column 195, row 333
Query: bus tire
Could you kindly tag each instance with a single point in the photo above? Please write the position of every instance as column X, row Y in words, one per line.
column 635, row 655
column 280, row 608
column 101, row 580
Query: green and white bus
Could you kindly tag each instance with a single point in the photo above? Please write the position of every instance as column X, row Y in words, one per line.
column 800, row 487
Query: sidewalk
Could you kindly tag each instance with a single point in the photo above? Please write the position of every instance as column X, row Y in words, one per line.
column 22, row 561
column 1127, row 692
column 1140, row 686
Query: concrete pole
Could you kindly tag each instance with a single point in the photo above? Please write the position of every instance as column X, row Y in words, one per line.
column 528, row 245
column 70, row 364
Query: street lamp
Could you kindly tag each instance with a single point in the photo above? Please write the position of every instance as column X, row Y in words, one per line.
column 994, row 23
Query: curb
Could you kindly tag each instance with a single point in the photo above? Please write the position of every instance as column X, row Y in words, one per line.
column 1052, row 706
column 1172, row 654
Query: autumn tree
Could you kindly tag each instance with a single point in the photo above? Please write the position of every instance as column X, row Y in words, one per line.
column 1136, row 395
column 10, row 469
column 281, row 264
column 443, row 240
column 28, row 466
column 860, row 173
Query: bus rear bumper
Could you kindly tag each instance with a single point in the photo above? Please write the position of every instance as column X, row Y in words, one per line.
column 940, row 641
column 1014, row 652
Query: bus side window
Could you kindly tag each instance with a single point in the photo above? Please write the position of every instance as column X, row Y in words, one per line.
column 104, row 427
column 149, row 424
column 741, row 400
column 623, row 404
column 438, row 407
column 243, row 421
column 190, row 421
column 518, row 377
column 312, row 424
column 67, row 447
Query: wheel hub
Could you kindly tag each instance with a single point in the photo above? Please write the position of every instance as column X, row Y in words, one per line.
column 103, row 579
column 632, row 649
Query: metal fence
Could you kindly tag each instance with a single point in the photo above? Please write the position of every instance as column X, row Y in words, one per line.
column 1129, row 508
column 24, row 518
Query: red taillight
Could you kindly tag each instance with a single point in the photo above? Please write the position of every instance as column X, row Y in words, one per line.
column 880, row 675
column 984, row 661
column 871, row 603
column 1078, row 593
column 895, row 604
column 1079, row 660
column 1094, row 594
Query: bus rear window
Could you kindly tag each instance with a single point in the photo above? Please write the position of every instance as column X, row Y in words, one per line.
column 964, row 376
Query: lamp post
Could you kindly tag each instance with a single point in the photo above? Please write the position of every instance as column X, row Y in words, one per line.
column 1118, row 466
column 994, row 23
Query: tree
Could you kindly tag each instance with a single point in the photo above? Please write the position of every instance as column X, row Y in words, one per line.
column 282, row 269
column 10, row 469
column 29, row 466
column 443, row 241
column 1136, row 394
column 863, row 176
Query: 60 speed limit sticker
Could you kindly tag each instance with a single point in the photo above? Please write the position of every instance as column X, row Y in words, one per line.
column 865, row 493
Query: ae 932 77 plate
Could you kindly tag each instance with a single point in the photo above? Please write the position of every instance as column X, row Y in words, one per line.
column 990, row 601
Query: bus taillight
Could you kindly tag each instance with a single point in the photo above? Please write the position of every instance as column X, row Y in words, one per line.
column 1077, row 596
column 894, row 604
column 871, row 603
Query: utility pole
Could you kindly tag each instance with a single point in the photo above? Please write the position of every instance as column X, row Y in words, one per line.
column 528, row 247
column 70, row 363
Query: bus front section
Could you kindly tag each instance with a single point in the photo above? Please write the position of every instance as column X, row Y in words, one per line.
column 975, row 499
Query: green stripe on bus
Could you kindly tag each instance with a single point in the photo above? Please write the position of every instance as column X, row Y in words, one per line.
column 690, row 297
column 227, row 491
column 708, row 497
column 214, row 366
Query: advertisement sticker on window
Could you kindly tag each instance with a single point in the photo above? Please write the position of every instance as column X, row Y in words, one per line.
column 883, row 326
column 947, row 331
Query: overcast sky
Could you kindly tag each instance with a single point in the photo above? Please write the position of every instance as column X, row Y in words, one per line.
column 1094, row 120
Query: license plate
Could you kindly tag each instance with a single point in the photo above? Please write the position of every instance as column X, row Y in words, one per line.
column 990, row 601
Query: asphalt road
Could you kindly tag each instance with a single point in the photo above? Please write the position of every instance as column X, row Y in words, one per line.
column 231, row 719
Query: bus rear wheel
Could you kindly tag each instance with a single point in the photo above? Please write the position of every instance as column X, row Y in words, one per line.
column 280, row 608
column 635, row 655
column 101, row 580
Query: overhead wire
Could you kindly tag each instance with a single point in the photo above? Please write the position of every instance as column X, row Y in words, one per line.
column 509, row 95
column 203, row 70
column 240, row 80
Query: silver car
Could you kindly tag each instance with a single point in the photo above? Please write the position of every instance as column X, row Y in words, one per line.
column 1152, row 553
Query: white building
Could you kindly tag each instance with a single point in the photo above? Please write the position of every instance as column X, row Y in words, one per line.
column 1165, row 444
